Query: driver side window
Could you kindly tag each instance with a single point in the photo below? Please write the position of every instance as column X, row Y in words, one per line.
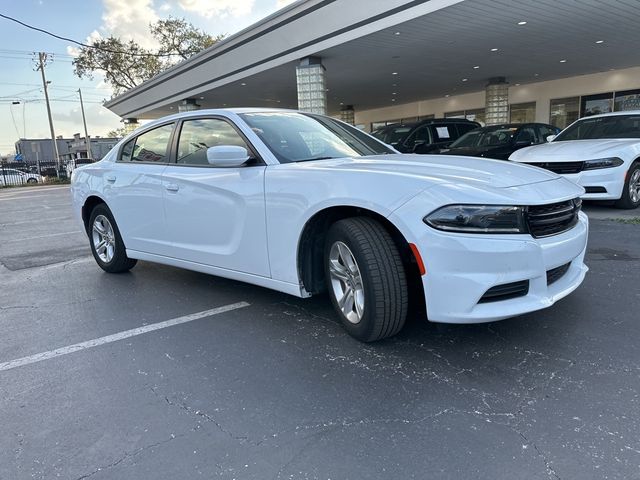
column 196, row 136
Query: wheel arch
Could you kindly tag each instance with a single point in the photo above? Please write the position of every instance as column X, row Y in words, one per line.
column 310, row 253
column 87, row 207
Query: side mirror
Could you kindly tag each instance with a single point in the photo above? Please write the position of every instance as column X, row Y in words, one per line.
column 551, row 138
column 227, row 156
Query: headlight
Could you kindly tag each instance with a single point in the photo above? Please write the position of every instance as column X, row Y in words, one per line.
column 602, row 163
column 478, row 219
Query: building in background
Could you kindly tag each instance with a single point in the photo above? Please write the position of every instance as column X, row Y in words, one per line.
column 400, row 60
column 33, row 150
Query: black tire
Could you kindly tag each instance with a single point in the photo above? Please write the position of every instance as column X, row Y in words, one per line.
column 382, row 274
column 119, row 262
column 626, row 201
column 32, row 180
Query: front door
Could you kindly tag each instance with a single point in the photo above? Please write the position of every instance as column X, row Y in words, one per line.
column 215, row 216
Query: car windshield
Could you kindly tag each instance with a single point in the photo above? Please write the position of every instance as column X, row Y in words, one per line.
column 392, row 135
column 615, row 126
column 297, row 137
column 486, row 137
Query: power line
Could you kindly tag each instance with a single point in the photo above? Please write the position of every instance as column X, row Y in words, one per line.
column 86, row 45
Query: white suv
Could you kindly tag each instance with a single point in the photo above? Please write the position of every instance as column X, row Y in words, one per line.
column 600, row 153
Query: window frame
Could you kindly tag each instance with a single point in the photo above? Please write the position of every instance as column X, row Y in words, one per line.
column 254, row 155
column 134, row 138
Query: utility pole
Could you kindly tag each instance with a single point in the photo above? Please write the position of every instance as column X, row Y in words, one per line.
column 87, row 140
column 42, row 60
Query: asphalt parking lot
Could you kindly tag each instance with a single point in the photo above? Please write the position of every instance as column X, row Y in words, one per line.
column 94, row 385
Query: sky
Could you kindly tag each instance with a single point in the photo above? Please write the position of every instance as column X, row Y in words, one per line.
column 82, row 20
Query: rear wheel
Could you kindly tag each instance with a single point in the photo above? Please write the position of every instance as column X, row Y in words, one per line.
column 106, row 243
column 366, row 279
column 631, row 191
column 32, row 180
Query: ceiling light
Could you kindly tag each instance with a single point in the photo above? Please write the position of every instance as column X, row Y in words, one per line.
column 563, row 61
column 476, row 67
column 201, row 98
column 600, row 41
column 494, row 49
column 394, row 84
column 393, row 99
column 394, row 73
column 394, row 93
column 243, row 84
column 465, row 79
column 397, row 33
column 447, row 96
column 341, row 103
column 522, row 23
column 517, row 85
column 536, row 74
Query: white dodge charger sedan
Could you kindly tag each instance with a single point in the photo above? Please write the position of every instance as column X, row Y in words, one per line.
column 601, row 153
column 305, row 204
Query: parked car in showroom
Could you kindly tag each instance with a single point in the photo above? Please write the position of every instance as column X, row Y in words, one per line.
column 427, row 136
column 500, row 141
column 601, row 153
column 13, row 176
column 304, row 204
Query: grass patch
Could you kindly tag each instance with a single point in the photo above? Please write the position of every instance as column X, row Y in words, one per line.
column 629, row 221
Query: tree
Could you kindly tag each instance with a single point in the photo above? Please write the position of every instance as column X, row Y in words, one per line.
column 118, row 133
column 127, row 64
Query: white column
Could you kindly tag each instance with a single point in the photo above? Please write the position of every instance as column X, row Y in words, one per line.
column 497, row 101
column 312, row 86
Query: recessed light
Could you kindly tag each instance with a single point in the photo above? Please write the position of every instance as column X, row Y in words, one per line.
column 397, row 33
column 341, row 103
column 600, row 41
column 476, row 67
column 394, row 73
column 517, row 84
column 393, row 99
column 243, row 84
column 465, row 79
column 394, row 93
column 563, row 61
column 201, row 98
column 522, row 23
column 394, row 84
column 494, row 49
column 447, row 96
column 536, row 74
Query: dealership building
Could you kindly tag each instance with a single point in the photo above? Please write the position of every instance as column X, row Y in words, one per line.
column 375, row 62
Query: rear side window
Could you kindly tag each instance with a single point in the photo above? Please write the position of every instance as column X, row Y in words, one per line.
column 150, row 147
column 465, row 127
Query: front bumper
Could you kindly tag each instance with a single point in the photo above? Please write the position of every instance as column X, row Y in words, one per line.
column 461, row 268
column 611, row 179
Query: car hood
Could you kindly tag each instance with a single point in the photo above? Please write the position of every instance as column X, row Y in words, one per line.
column 440, row 169
column 573, row 150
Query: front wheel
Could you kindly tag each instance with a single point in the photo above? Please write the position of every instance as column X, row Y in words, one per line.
column 32, row 180
column 106, row 243
column 631, row 191
column 366, row 278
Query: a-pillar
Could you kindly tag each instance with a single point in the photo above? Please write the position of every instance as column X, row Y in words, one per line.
column 497, row 101
column 312, row 86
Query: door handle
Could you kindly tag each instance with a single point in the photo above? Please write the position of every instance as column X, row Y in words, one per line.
column 110, row 178
column 172, row 187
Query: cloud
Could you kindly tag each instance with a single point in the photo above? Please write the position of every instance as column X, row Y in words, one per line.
column 217, row 8
column 129, row 20
column 284, row 3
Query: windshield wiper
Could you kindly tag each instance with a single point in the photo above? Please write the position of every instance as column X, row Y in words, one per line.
column 315, row 158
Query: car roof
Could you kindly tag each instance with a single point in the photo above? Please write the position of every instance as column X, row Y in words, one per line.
column 613, row 114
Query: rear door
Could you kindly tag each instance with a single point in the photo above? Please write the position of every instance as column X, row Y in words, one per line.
column 215, row 216
column 134, row 192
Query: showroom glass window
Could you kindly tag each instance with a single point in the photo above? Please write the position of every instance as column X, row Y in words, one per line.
column 522, row 112
column 149, row 147
column 196, row 136
column 628, row 100
column 564, row 111
column 596, row 104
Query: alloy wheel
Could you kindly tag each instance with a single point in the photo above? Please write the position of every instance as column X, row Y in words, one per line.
column 346, row 282
column 104, row 239
column 634, row 186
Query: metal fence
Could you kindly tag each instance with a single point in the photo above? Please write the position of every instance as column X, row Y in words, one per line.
column 25, row 173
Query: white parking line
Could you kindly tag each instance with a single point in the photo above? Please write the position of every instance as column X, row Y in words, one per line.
column 39, row 357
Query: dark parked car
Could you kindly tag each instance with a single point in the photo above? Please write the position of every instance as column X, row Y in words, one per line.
column 500, row 141
column 427, row 136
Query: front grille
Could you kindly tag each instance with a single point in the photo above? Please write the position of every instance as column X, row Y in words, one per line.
column 557, row 273
column 560, row 167
column 505, row 291
column 552, row 219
